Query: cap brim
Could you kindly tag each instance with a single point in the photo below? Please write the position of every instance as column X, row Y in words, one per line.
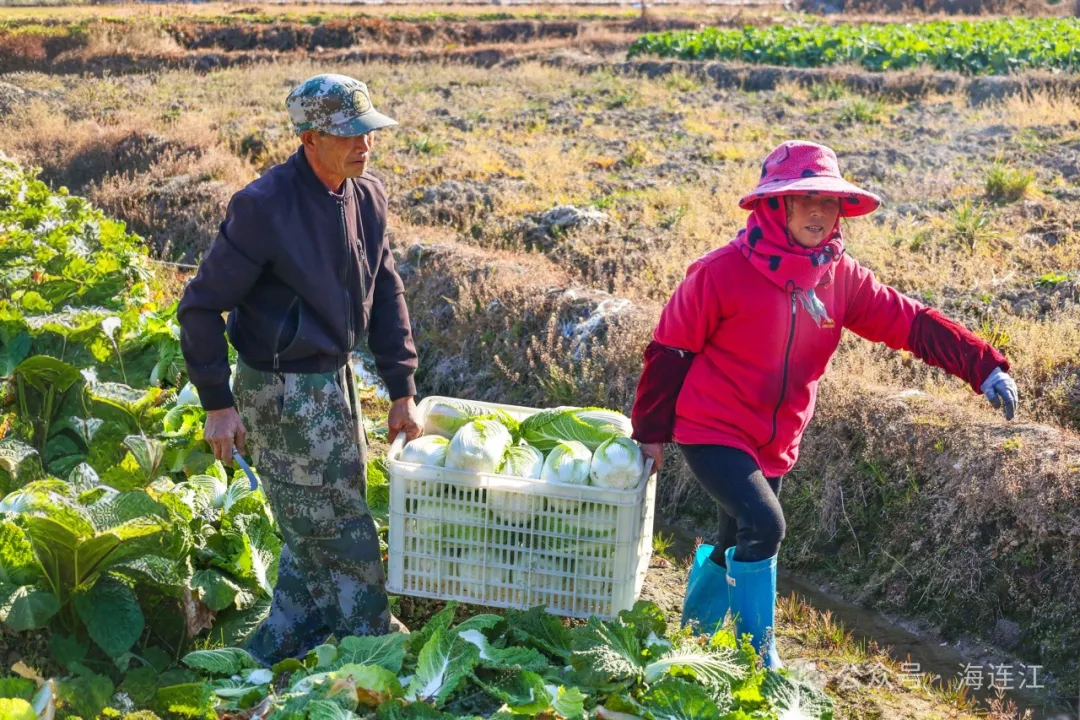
column 854, row 201
column 362, row 125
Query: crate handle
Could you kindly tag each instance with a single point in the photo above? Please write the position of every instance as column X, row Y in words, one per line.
column 396, row 447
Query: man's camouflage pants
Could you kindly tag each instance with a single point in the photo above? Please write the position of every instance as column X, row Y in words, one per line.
column 305, row 434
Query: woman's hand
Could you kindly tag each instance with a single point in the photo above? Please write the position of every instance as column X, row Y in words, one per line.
column 654, row 451
column 1000, row 390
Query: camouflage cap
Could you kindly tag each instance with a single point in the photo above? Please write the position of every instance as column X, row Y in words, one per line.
column 334, row 104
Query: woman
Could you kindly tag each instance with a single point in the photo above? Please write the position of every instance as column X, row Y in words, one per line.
column 732, row 372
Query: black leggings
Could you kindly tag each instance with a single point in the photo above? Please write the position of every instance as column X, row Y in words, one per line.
column 752, row 519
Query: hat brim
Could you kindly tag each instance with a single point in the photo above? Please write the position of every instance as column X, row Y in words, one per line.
column 362, row 125
column 854, row 201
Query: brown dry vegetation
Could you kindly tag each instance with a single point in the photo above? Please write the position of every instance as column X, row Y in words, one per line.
column 929, row 505
column 482, row 11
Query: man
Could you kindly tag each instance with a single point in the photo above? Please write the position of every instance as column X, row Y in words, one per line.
column 303, row 268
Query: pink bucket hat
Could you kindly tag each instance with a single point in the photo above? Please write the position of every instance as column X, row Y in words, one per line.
column 798, row 167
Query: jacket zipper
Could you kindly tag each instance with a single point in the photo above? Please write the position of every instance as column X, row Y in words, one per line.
column 363, row 260
column 783, row 388
column 281, row 329
column 345, row 274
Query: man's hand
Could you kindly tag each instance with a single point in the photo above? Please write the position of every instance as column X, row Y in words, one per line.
column 404, row 418
column 654, row 451
column 1000, row 389
column 224, row 428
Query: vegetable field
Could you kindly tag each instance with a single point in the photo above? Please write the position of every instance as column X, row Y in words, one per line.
column 143, row 564
column 978, row 47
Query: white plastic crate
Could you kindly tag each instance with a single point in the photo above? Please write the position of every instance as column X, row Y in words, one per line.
column 505, row 541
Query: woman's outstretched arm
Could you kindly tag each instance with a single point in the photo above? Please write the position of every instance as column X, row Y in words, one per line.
column 881, row 313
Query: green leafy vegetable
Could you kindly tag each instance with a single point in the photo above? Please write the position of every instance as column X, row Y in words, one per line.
column 446, row 417
column 479, row 446
column 568, row 463
column 606, row 652
column 387, row 651
column 541, row 630
column 674, row 699
column 509, row 658
column 87, row 695
column 442, row 666
column 589, row 426
column 16, row 709
column 996, row 47
column 795, row 699
column 189, row 700
column 222, row 661
column 112, row 615
column 426, row 450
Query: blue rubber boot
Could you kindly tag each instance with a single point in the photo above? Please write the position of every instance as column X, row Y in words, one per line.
column 706, row 601
column 752, row 594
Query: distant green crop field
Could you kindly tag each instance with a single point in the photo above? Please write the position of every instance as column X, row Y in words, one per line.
column 977, row 47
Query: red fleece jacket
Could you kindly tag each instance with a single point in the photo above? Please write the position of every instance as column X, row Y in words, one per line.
column 736, row 360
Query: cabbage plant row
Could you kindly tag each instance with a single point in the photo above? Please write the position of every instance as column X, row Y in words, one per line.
column 122, row 540
column 974, row 47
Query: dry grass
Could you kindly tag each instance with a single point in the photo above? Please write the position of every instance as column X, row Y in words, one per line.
column 170, row 183
column 295, row 11
column 1042, row 108
column 139, row 36
column 874, row 11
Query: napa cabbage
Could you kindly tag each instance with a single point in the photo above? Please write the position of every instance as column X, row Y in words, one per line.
column 568, row 462
column 426, row 450
column 446, row 417
column 477, row 568
column 617, row 464
column 523, row 461
column 187, row 396
column 517, row 509
column 479, row 446
column 588, row 426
